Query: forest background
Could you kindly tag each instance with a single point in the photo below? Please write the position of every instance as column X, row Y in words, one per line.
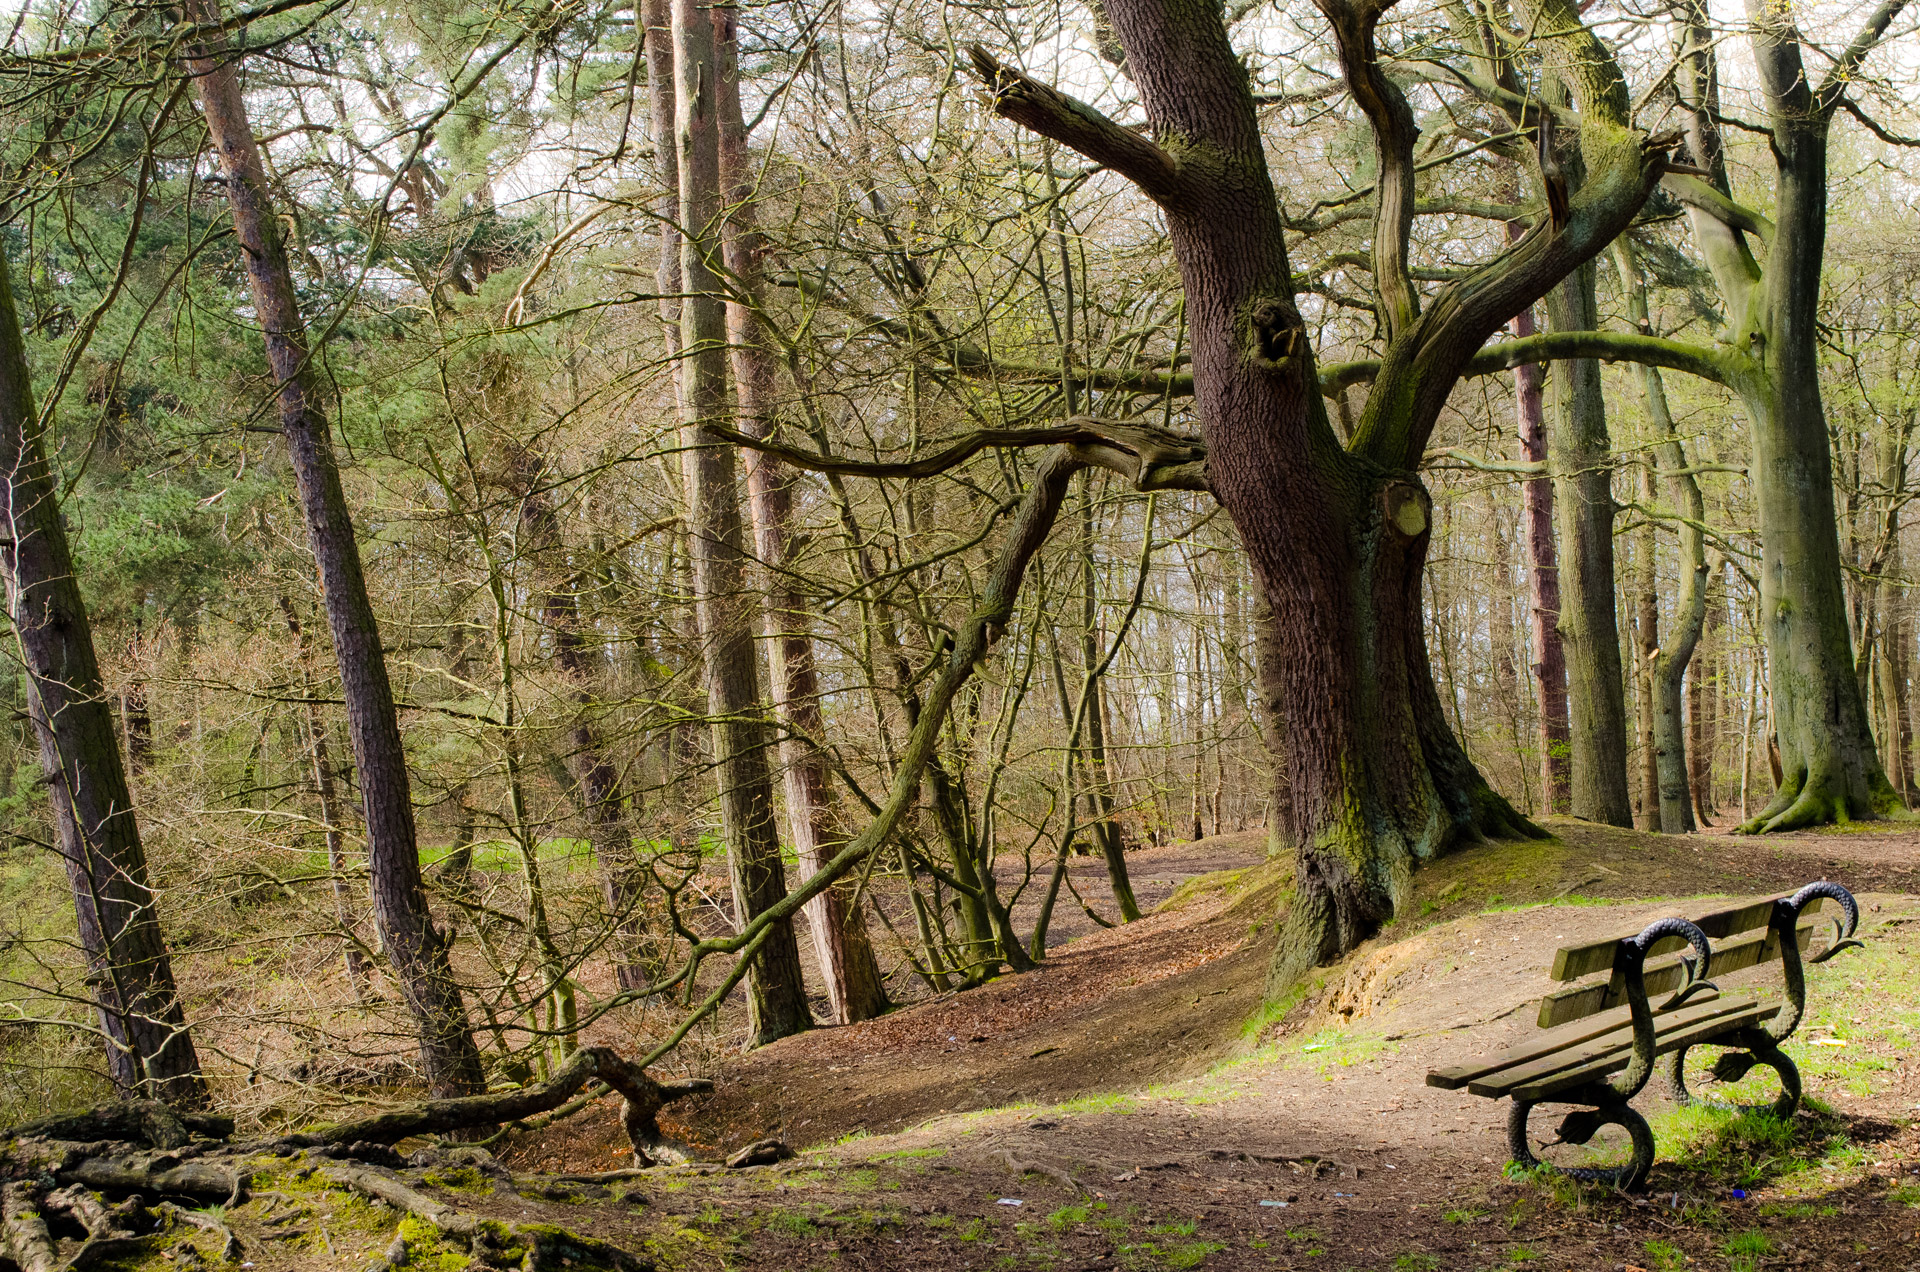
column 640, row 335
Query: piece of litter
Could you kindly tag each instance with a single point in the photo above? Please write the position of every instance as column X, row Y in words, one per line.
column 1273, row 1203
column 1012, row 1201
column 1739, row 1194
column 1316, row 1046
column 1829, row 1042
column 1391, row 1166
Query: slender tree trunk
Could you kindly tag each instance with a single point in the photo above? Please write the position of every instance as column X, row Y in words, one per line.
column 1543, row 583
column 415, row 948
column 1104, row 829
column 1645, row 583
column 1667, row 662
column 1589, row 629
column 1704, row 706
column 1542, row 577
column 359, row 970
column 836, row 917
column 149, row 1052
column 591, row 767
column 777, row 1003
column 1271, row 681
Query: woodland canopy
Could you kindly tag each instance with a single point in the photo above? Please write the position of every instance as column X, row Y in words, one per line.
column 548, row 526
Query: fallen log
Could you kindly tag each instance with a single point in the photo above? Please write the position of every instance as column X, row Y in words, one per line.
column 643, row 1096
column 494, row 1242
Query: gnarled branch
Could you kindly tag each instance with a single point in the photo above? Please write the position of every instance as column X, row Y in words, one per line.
column 1151, row 458
column 1046, row 110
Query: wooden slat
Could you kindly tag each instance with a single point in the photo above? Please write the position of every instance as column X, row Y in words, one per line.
column 1662, row 975
column 1571, row 962
column 1546, row 1044
column 1615, row 1040
column 1683, row 1037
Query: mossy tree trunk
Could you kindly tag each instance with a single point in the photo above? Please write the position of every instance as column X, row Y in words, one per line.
column 1830, row 770
column 1337, row 534
column 1582, row 459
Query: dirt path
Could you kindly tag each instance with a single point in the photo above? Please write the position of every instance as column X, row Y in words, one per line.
column 1115, row 1096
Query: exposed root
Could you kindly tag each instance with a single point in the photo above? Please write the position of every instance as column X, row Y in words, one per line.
column 33, row 1247
column 63, row 1166
column 1024, row 1166
column 492, row 1242
column 644, row 1099
column 110, row 1229
column 137, row 1121
column 763, row 1152
column 229, row 1243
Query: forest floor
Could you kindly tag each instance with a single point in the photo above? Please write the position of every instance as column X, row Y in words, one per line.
column 1130, row 1105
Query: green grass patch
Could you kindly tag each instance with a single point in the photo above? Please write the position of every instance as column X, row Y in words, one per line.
column 1745, row 1250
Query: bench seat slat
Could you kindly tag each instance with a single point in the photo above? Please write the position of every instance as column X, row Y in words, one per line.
column 1663, row 975
column 1616, row 1042
column 1545, row 1044
column 1543, row 1088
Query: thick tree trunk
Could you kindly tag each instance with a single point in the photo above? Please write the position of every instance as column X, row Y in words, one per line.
column 1829, row 769
column 777, row 1001
column 149, row 1052
column 416, row 950
column 836, row 918
column 1337, row 534
column 1589, row 628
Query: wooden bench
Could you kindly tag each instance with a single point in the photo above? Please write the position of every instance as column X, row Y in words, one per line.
column 1601, row 1038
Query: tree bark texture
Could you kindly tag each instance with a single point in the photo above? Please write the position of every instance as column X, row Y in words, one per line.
column 415, row 948
column 836, row 918
column 777, row 1003
column 1672, row 803
column 149, row 1052
column 1549, row 669
column 1270, row 683
column 1829, row 768
column 1589, row 627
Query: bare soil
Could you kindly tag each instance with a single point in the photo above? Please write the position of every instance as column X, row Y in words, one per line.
column 1119, row 1096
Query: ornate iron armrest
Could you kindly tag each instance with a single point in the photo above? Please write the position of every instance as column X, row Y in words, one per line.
column 1785, row 924
column 1630, row 962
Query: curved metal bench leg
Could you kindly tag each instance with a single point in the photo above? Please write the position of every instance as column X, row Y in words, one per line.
column 1745, row 1050
column 1577, row 1128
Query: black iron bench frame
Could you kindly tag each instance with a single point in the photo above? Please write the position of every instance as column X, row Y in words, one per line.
column 1602, row 1086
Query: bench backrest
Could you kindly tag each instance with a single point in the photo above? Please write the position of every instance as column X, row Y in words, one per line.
column 1740, row 935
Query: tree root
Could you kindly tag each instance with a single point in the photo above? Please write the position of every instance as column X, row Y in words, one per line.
column 644, row 1099
column 1026, row 1166
column 492, row 1242
column 146, row 1149
column 229, row 1243
column 27, row 1234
